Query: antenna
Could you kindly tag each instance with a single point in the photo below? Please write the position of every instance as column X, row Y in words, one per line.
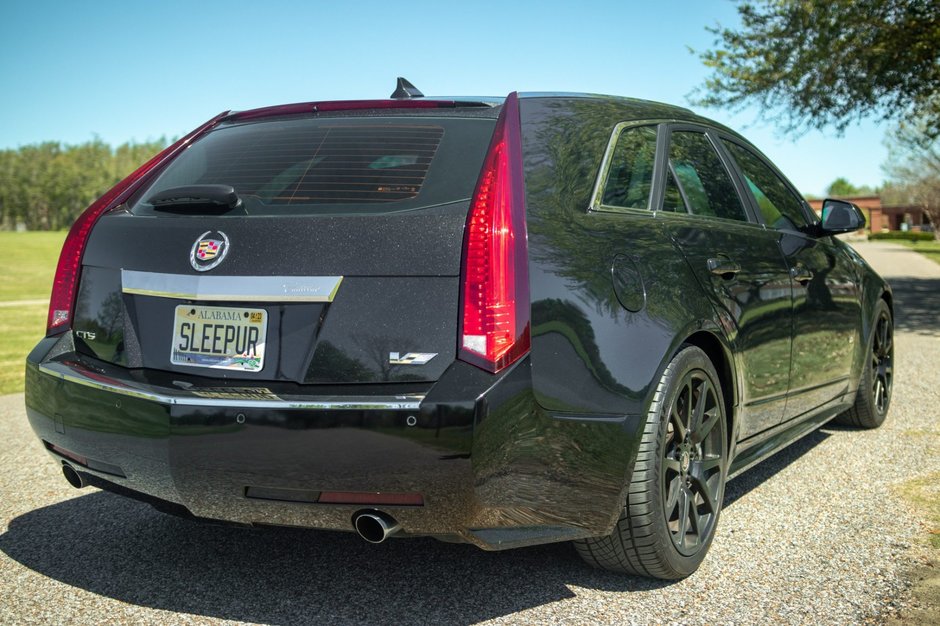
column 405, row 89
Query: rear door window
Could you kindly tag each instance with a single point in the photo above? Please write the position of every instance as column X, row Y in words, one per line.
column 630, row 174
column 780, row 208
column 335, row 165
column 701, row 178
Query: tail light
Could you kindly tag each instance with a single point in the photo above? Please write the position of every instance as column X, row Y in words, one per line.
column 62, row 301
column 494, row 307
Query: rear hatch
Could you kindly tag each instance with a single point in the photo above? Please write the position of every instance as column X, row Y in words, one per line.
column 338, row 264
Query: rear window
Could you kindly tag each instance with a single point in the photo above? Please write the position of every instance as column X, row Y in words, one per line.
column 334, row 165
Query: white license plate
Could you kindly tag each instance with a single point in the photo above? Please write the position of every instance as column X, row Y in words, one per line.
column 229, row 338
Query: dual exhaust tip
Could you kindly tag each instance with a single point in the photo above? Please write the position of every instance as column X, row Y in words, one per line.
column 375, row 527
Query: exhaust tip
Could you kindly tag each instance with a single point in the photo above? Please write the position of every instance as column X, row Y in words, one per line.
column 375, row 527
column 75, row 479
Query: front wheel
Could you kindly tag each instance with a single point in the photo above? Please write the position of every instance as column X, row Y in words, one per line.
column 874, row 388
column 678, row 481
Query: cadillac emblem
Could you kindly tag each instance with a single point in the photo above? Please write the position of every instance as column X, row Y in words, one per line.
column 209, row 250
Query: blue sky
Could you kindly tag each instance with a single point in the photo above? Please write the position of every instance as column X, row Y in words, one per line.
column 70, row 71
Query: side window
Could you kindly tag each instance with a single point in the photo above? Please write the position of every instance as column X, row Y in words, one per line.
column 630, row 177
column 672, row 197
column 702, row 179
column 780, row 208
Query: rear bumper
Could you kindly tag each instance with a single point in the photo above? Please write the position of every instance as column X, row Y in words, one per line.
column 492, row 468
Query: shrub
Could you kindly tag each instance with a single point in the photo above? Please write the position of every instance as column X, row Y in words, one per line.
column 900, row 235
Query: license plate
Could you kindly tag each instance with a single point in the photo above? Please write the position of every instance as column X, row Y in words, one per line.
column 229, row 338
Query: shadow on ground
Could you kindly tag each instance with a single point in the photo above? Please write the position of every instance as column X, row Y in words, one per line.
column 917, row 305
column 125, row 550
column 754, row 477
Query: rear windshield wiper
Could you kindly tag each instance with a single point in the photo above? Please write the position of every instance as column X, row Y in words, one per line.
column 220, row 198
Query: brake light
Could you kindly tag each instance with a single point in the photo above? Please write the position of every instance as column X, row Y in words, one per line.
column 340, row 105
column 494, row 309
column 62, row 301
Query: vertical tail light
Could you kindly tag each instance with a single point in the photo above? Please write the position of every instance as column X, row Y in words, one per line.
column 494, row 306
column 64, row 286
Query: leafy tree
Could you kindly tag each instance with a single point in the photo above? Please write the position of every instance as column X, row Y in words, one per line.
column 819, row 63
column 46, row 186
column 913, row 167
column 841, row 187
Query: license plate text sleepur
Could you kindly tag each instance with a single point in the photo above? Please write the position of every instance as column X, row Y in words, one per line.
column 219, row 337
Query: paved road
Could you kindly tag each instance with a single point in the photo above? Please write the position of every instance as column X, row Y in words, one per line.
column 814, row 535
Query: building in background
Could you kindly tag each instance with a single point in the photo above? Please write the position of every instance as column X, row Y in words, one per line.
column 884, row 217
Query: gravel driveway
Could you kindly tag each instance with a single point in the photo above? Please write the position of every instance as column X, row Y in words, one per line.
column 815, row 534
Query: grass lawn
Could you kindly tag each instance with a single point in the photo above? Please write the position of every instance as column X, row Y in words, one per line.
column 27, row 266
column 930, row 249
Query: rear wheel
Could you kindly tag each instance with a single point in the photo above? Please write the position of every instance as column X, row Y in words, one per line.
column 874, row 389
column 677, row 485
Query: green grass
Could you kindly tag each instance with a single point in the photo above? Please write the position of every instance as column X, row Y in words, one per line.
column 924, row 493
column 21, row 327
column 930, row 249
column 27, row 266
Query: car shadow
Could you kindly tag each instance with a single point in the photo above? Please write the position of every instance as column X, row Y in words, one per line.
column 766, row 469
column 125, row 550
column 917, row 305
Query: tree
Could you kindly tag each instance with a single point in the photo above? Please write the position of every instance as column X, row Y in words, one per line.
column 46, row 186
column 820, row 63
column 841, row 187
column 913, row 167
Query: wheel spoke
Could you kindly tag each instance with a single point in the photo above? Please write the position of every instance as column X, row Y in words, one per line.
column 696, row 520
column 672, row 465
column 709, row 464
column 675, row 486
column 700, row 403
column 677, row 421
column 702, row 432
column 705, row 491
column 683, row 515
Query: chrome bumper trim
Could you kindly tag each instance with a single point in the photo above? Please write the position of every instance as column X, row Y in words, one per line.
column 80, row 375
column 231, row 288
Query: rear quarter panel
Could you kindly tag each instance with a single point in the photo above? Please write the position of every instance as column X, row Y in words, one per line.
column 590, row 354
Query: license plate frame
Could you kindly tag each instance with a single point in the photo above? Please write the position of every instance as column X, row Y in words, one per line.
column 230, row 338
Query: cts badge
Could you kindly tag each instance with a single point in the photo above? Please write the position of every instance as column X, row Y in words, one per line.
column 412, row 358
column 208, row 251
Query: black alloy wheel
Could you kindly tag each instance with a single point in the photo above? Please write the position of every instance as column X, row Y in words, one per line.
column 882, row 362
column 692, row 481
column 674, row 497
column 877, row 377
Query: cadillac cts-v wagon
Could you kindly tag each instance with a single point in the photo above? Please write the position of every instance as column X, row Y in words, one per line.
column 502, row 321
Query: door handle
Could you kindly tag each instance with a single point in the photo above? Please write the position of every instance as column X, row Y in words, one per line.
column 801, row 274
column 724, row 267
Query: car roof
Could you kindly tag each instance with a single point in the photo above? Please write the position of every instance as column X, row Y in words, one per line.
column 629, row 108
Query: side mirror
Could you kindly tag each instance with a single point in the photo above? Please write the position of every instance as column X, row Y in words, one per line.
column 839, row 216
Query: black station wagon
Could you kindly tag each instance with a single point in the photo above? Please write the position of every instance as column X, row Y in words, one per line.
column 502, row 321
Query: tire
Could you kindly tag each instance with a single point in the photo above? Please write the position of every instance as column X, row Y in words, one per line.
column 873, row 397
column 676, row 488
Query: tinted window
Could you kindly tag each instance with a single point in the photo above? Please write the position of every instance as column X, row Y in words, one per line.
column 335, row 165
column 779, row 207
column 630, row 177
column 702, row 179
column 672, row 197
